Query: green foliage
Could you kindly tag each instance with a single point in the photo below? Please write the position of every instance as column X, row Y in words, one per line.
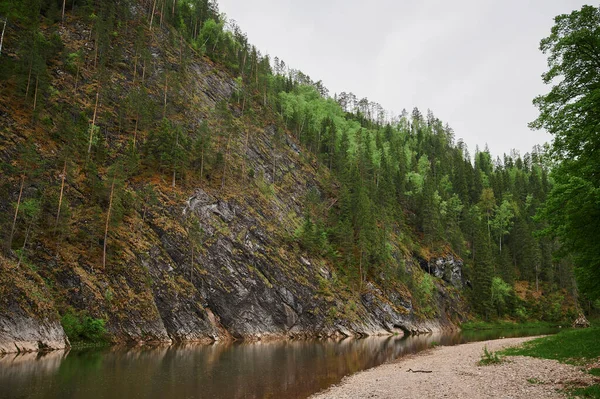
column 500, row 292
column 81, row 328
column 568, row 112
column 489, row 358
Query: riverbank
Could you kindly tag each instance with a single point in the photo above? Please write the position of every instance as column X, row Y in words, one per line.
column 453, row 371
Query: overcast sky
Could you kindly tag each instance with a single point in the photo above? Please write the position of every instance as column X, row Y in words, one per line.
column 474, row 63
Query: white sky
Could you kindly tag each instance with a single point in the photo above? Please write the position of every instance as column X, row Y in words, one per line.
column 474, row 63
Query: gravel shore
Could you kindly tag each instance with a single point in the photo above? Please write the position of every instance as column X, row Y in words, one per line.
column 454, row 373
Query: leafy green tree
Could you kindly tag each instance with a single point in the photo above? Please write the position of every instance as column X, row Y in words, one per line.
column 570, row 112
column 502, row 221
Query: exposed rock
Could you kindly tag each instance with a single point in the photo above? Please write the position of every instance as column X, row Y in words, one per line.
column 448, row 268
column 28, row 321
column 20, row 332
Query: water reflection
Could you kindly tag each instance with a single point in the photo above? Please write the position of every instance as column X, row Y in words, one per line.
column 290, row 369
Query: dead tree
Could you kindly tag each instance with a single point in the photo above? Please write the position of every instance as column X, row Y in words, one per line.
column 112, row 190
column 12, row 231
column 63, row 175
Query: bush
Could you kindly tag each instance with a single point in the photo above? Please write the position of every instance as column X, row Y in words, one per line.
column 82, row 328
column 489, row 358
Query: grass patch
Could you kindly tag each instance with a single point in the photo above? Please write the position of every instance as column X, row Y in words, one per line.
column 595, row 372
column 569, row 346
column 505, row 324
column 489, row 357
column 593, row 391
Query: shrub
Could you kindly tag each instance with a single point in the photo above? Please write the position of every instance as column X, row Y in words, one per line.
column 80, row 327
column 488, row 358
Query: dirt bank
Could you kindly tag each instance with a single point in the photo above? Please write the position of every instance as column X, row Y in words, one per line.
column 454, row 373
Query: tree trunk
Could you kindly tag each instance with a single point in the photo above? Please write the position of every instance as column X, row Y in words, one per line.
column 96, row 48
column 94, row 120
column 144, row 71
column 225, row 162
column 63, row 10
column 175, row 163
column 162, row 12
column 62, row 187
column 2, row 36
column 165, row 99
column 77, row 76
column 135, row 59
column 135, row 128
column 202, row 163
column 152, row 14
column 29, row 78
column 192, row 265
column 112, row 189
column 24, row 244
column 12, row 231
column 245, row 154
column 37, row 80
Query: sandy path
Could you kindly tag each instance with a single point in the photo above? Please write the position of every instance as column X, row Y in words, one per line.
column 455, row 374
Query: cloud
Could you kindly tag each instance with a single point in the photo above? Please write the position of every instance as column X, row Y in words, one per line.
column 474, row 63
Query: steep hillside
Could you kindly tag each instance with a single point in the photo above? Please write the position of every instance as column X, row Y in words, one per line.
column 105, row 221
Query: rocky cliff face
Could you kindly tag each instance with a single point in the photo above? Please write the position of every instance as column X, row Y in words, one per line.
column 28, row 320
column 239, row 275
column 448, row 268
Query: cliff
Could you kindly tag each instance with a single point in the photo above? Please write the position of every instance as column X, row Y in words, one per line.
column 192, row 258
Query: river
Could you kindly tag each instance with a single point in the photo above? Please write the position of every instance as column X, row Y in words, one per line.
column 277, row 369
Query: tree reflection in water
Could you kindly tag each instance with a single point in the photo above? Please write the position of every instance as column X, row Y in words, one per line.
column 290, row 369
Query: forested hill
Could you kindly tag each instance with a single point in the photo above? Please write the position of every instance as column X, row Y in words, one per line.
column 162, row 179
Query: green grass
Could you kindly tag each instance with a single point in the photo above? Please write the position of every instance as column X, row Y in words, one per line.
column 505, row 324
column 568, row 346
column 593, row 391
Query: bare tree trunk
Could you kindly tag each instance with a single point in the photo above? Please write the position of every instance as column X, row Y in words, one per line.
column 2, row 36
column 62, row 187
column 93, row 120
column 202, row 163
column 152, row 15
column 175, row 164
column 135, row 129
column 96, row 48
column 192, row 265
column 37, row 80
column 12, row 231
column 162, row 12
column 135, row 59
column 77, row 77
column 165, row 100
column 225, row 162
column 63, row 10
column 29, row 78
column 144, row 71
column 24, row 244
column 112, row 190
column 245, row 154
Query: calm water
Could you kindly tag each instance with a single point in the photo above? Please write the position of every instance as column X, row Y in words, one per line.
column 282, row 369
